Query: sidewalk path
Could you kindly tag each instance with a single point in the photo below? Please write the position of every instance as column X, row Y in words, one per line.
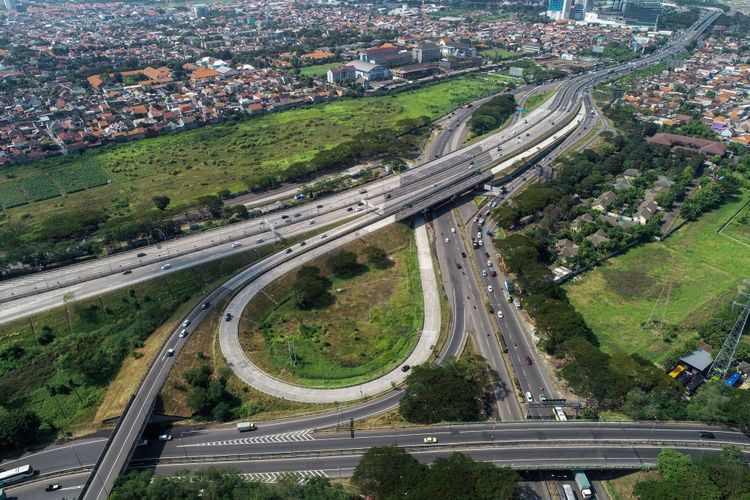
column 254, row 376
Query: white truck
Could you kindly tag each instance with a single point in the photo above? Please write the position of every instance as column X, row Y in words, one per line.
column 246, row 426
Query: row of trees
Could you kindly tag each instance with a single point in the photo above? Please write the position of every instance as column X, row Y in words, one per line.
column 712, row 477
column 389, row 473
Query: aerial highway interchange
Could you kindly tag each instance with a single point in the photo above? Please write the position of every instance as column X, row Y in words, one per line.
column 323, row 443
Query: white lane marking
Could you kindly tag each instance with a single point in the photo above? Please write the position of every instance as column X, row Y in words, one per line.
column 271, row 477
column 286, row 437
column 71, row 488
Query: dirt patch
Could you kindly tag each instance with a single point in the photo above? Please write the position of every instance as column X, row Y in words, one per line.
column 630, row 283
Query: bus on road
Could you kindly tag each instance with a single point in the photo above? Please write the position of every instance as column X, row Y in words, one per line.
column 559, row 414
column 16, row 475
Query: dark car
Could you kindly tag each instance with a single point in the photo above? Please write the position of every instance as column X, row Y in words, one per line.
column 205, row 305
column 707, row 435
column 288, row 250
column 493, row 274
column 405, row 368
column 350, row 209
column 228, row 317
column 463, row 254
column 127, row 272
column 142, row 254
column 52, row 487
column 528, row 360
column 458, row 266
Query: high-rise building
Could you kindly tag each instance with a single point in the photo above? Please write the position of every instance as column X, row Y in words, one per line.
column 559, row 9
column 579, row 11
column 589, row 5
column 200, row 10
column 9, row 4
column 641, row 12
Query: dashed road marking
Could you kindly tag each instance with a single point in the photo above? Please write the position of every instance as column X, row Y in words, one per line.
column 272, row 477
column 286, row 437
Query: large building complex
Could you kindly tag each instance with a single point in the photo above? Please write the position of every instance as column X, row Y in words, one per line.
column 641, row 12
column 559, row 9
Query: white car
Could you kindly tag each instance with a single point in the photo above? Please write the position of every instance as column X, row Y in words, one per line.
column 447, row 240
column 165, row 437
column 166, row 266
column 183, row 333
column 312, row 221
column 529, row 398
column 489, row 288
column 259, row 241
column 484, row 272
column 453, row 230
column 170, row 352
column 236, row 244
column 500, row 314
column 323, row 236
column 185, row 323
column 430, row 440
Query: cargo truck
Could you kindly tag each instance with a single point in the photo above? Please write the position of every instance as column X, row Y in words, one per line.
column 583, row 483
column 246, row 426
column 509, row 286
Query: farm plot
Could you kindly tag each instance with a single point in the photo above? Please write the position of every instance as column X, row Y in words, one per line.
column 86, row 177
column 12, row 194
column 40, row 187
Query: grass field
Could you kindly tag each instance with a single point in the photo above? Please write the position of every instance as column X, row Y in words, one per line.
column 42, row 357
column 533, row 101
column 318, row 69
column 738, row 228
column 501, row 54
column 704, row 268
column 373, row 324
column 187, row 165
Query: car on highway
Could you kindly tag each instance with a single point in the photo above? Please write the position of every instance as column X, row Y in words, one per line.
column 362, row 191
column 52, row 487
column 288, row 250
column 142, row 254
column 453, row 230
column 463, row 254
column 236, row 244
column 528, row 360
column 529, row 398
column 323, row 236
column 318, row 206
column 184, row 333
column 447, row 240
column 458, row 265
column 489, row 288
column 259, row 241
column 302, row 243
column 186, row 323
column 349, row 209
column 205, row 305
column 297, row 215
column 405, row 368
column 707, row 435
column 165, row 437
column 484, row 272
column 312, row 221
column 228, row 317
column 128, row 271
column 170, row 352
column 500, row 314
column 542, row 398
column 493, row 274
column 166, row 266
column 430, row 440
column 285, row 216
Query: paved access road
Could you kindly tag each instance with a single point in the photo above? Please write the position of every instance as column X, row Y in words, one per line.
column 522, row 445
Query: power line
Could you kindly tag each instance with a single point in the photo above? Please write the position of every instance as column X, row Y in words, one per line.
column 720, row 366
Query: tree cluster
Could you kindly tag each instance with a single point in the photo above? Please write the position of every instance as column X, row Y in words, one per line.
column 389, row 473
column 18, row 428
column 208, row 397
column 343, row 262
column 218, row 484
column 492, row 114
column 437, row 393
column 713, row 477
column 310, row 289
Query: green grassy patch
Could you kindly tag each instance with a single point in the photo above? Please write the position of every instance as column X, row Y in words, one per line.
column 186, row 165
column 60, row 362
column 533, row 101
column 739, row 227
column 318, row 69
column 703, row 267
column 372, row 325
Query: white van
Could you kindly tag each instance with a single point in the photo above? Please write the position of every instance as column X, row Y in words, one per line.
column 529, row 398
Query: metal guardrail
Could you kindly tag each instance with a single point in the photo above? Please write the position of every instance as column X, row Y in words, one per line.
column 499, row 445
